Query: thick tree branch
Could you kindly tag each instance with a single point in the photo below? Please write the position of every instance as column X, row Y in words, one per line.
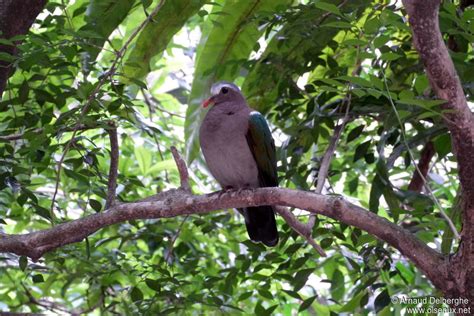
column 423, row 18
column 16, row 18
column 178, row 202
column 427, row 38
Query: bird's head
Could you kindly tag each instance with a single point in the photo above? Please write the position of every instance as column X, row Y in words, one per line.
column 223, row 91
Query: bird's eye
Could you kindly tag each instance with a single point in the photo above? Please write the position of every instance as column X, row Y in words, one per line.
column 224, row 90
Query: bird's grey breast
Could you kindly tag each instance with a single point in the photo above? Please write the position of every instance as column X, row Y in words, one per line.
column 225, row 148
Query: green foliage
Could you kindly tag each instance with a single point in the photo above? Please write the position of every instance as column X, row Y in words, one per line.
column 156, row 36
column 302, row 63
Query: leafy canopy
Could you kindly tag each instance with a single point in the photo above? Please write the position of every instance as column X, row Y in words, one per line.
column 305, row 65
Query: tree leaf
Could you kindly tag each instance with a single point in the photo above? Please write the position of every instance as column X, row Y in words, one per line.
column 143, row 156
column 23, row 262
column 382, row 300
column 301, row 277
column 157, row 35
column 96, row 206
column 136, row 294
column 353, row 303
column 354, row 133
column 307, row 303
column 38, row 278
column 337, row 285
column 361, row 150
column 329, row 7
column 153, row 284
column 103, row 17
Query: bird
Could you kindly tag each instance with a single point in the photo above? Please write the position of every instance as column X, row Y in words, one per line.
column 239, row 151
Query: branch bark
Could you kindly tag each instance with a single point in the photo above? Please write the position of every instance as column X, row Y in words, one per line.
column 16, row 18
column 178, row 202
column 445, row 83
column 182, row 169
column 417, row 181
column 113, row 170
column 427, row 38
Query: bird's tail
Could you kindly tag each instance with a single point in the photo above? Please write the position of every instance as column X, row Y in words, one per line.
column 261, row 224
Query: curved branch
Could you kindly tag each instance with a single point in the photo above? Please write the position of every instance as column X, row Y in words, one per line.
column 178, row 202
column 424, row 21
column 423, row 18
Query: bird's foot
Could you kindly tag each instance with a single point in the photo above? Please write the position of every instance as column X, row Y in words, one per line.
column 243, row 189
column 225, row 190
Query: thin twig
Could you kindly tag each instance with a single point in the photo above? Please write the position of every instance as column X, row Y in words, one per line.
column 327, row 158
column 150, row 111
column 173, row 240
column 105, row 77
column 113, row 170
column 412, row 158
column 85, row 311
column 299, row 227
column 17, row 136
column 150, row 98
column 182, row 169
column 52, row 306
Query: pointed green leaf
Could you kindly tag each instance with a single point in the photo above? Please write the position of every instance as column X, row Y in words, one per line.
column 160, row 166
column 337, row 285
column 354, row 133
column 136, row 295
column 144, row 158
column 156, row 36
column 301, row 277
column 382, row 300
column 23, row 263
column 102, row 18
column 329, row 7
column 307, row 303
column 153, row 284
column 353, row 303
column 96, row 206
column 38, row 278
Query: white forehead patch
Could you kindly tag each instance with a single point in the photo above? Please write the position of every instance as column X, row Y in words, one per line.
column 216, row 88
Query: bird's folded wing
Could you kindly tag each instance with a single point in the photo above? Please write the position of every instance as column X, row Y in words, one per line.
column 262, row 146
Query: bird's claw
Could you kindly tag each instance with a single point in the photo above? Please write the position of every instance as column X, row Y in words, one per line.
column 230, row 189
column 224, row 190
column 243, row 189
